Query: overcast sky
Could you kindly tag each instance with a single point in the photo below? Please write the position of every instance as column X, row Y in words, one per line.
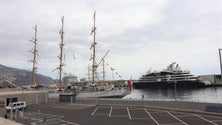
column 139, row 34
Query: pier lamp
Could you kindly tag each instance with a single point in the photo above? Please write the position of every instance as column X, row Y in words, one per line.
column 175, row 90
column 220, row 63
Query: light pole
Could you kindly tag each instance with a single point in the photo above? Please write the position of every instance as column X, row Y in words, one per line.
column 220, row 63
column 175, row 90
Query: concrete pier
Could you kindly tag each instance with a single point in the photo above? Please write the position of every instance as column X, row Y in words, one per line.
column 214, row 79
column 30, row 96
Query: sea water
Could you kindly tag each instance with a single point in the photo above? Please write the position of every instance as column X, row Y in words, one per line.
column 209, row 94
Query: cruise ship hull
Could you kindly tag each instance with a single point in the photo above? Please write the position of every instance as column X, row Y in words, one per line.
column 171, row 77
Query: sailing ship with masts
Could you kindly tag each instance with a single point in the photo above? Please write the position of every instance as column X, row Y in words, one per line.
column 34, row 52
column 95, row 88
column 60, row 85
column 33, row 84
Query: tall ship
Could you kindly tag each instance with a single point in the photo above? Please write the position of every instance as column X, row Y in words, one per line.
column 108, row 89
column 97, row 88
column 171, row 77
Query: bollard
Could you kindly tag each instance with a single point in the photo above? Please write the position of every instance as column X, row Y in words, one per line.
column 44, row 120
column 16, row 115
column 142, row 99
column 6, row 116
column 11, row 114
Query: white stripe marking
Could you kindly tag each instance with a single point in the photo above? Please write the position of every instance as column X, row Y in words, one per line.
column 151, row 117
column 129, row 113
column 110, row 112
column 206, row 119
column 140, row 118
column 69, row 122
column 176, row 118
column 173, row 124
column 94, row 111
column 185, row 116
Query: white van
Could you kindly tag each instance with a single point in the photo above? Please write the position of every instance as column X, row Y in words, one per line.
column 16, row 105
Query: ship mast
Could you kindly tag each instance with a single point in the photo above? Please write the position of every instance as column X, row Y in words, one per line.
column 104, row 70
column 61, row 32
column 94, row 49
column 34, row 58
column 94, row 65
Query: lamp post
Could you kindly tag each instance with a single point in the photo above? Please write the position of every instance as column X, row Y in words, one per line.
column 175, row 90
column 220, row 63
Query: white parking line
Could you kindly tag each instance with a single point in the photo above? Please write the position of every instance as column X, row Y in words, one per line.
column 58, row 122
column 173, row 124
column 99, row 114
column 51, row 119
column 121, row 115
column 129, row 113
column 212, row 116
column 206, row 119
column 139, row 118
column 41, row 114
column 69, row 122
column 110, row 112
column 94, row 111
column 118, row 116
column 49, row 123
column 176, row 118
column 185, row 116
column 151, row 117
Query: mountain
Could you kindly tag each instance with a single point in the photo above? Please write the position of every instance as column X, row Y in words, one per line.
column 22, row 77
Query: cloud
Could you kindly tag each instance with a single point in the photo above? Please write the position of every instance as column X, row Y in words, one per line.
column 139, row 34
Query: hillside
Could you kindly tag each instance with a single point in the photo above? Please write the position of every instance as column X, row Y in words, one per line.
column 22, row 77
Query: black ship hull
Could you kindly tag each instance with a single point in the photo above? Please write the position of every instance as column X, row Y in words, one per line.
column 171, row 77
column 171, row 84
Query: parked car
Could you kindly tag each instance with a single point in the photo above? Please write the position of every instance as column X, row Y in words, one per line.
column 16, row 105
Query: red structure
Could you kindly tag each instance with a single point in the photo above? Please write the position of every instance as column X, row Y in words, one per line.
column 129, row 84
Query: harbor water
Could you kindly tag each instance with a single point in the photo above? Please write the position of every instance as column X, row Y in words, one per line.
column 210, row 94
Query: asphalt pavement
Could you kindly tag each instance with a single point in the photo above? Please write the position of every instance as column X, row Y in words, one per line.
column 122, row 112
